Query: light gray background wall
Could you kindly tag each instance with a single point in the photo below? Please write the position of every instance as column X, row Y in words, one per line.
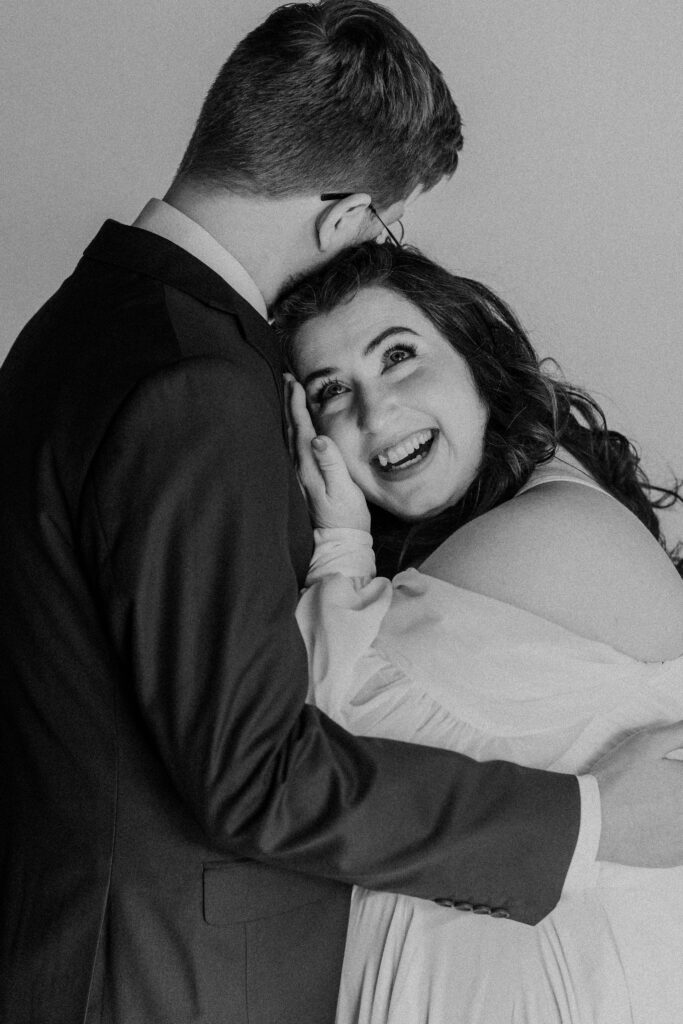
column 567, row 201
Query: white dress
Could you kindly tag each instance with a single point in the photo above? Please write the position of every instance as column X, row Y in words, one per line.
column 421, row 660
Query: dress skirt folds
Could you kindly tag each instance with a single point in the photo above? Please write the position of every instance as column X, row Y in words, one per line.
column 427, row 662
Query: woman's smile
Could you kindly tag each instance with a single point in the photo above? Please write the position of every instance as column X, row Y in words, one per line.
column 397, row 398
column 409, row 453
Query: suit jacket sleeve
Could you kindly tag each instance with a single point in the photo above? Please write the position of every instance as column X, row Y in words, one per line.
column 185, row 535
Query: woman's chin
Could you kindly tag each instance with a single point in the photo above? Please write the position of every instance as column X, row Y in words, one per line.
column 413, row 513
column 419, row 503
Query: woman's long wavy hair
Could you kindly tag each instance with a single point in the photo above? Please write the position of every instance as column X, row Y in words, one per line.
column 530, row 413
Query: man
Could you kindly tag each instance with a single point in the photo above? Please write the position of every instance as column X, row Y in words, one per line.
column 180, row 828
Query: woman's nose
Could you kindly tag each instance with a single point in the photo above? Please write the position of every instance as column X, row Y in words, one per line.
column 374, row 406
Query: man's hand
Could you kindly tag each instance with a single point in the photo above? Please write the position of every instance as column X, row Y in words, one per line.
column 333, row 498
column 641, row 792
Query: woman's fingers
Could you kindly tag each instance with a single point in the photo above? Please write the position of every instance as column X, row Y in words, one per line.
column 304, row 431
column 333, row 498
column 316, row 453
column 288, row 417
column 330, row 462
column 345, row 505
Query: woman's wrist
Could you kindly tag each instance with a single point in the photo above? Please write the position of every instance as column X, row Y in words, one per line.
column 342, row 550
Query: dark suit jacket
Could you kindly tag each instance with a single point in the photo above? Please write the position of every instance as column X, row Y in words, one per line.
column 179, row 828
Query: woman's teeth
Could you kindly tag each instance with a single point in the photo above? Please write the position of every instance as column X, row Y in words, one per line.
column 407, row 451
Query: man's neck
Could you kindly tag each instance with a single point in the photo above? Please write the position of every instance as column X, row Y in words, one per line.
column 268, row 237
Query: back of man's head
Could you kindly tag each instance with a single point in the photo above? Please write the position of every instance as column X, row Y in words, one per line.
column 336, row 96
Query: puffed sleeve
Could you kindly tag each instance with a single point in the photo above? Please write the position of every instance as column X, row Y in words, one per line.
column 339, row 614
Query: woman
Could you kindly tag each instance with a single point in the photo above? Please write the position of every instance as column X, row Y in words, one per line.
column 544, row 622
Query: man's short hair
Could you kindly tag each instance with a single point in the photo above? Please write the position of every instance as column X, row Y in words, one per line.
column 336, row 96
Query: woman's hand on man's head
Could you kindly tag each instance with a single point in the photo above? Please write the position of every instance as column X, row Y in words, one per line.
column 334, row 500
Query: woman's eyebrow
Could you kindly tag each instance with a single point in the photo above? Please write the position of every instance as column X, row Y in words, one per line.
column 325, row 371
column 387, row 333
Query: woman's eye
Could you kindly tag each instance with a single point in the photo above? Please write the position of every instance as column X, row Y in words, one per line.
column 329, row 389
column 398, row 354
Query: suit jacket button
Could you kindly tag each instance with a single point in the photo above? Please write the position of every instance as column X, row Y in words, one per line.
column 481, row 909
column 500, row 912
column 463, row 906
column 443, row 901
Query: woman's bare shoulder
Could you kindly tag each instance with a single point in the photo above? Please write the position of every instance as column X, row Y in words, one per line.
column 575, row 556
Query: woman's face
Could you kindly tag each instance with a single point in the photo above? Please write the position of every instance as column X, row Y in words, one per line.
column 397, row 399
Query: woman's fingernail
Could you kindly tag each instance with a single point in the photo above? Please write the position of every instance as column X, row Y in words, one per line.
column 319, row 443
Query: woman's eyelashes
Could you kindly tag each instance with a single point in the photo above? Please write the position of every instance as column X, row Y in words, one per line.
column 332, row 387
column 328, row 389
column 398, row 353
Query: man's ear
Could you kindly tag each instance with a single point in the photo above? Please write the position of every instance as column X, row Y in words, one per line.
column 341, row 223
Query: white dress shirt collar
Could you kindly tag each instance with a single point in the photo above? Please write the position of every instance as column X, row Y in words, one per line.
column 163, row 219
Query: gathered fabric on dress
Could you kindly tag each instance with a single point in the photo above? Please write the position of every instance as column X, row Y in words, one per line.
column 421, row 660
